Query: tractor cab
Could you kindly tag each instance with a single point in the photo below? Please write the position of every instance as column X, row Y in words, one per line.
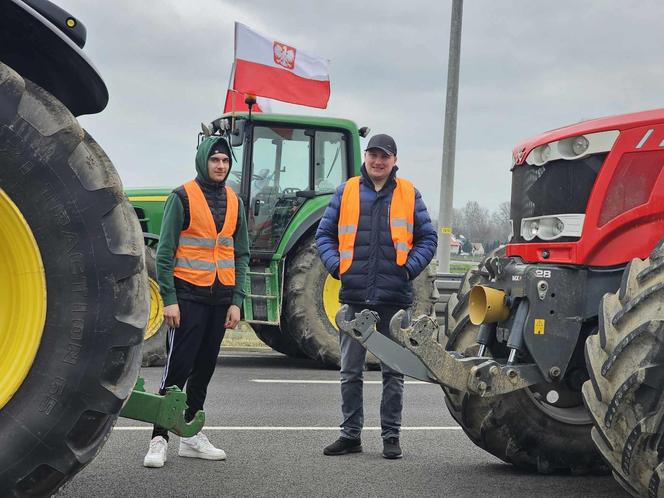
column 285, row 169
column 280, row 163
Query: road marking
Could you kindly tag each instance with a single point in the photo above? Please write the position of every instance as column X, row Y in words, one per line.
column 291, row 428
column 313, row 381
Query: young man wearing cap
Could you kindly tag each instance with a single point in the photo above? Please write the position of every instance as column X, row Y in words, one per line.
column 376, row 236
column 202, row 261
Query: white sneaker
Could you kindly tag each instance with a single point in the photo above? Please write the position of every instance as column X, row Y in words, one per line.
column 199, row 446
column 156, row 455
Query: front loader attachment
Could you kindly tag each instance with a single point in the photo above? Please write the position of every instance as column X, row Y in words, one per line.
column 166, row 411
column 414, row 352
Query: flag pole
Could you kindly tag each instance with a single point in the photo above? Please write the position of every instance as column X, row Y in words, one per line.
column 232, row 89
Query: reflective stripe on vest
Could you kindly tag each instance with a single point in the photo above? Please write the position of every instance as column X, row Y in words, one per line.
column 402, row 218
column 402, row 215
column 202, row 253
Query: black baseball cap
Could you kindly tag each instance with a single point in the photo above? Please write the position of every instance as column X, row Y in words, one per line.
column 383, row 142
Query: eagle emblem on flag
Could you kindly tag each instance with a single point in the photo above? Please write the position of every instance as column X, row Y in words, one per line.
column 284, row 55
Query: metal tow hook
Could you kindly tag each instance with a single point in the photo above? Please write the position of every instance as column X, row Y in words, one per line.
column 360, row 327
column 416, row 335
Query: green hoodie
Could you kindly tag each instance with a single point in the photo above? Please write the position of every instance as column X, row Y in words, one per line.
column 171, row 227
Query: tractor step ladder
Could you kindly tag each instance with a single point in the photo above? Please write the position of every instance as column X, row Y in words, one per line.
column 262, row 304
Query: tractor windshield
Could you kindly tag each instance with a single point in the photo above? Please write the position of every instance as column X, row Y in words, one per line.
column 288, row 166
column 557, row 187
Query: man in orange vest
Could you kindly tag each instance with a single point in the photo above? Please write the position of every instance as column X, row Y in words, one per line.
column 376, row 236
column 202, row 261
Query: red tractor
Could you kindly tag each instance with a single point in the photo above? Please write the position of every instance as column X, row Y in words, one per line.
column 564, row 330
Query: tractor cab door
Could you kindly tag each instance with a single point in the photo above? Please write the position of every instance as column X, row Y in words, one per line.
column 284, row 167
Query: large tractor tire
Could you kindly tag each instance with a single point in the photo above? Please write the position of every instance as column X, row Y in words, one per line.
column 625, row 394
column 154, row 341
column 281, row 342
column 312, row 301
column 520, row 428
column 73, row 299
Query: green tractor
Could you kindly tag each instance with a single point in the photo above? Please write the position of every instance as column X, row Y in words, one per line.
column 286, row 169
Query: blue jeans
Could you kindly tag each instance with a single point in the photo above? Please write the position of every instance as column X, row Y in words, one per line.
column 353, row 356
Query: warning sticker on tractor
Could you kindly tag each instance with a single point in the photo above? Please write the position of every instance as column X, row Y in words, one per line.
column 539, row 326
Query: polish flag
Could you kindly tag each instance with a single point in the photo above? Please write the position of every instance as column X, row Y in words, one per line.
column 235, row 100
column 273, row 69
column 235, row 103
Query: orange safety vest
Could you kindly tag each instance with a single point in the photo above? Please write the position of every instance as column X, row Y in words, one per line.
column 203, row 253
column 402, row 215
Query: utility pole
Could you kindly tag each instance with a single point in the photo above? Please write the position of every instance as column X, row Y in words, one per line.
column 449, row 140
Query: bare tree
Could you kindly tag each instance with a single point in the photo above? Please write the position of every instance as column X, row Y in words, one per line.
column 458, row 222
column 500, row 221
column 477, row 222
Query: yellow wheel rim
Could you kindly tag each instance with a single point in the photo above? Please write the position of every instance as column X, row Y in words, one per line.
column 331, row 299
column 156, row 311
column 22, row 298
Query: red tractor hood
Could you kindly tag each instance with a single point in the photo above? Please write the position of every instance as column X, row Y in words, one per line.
column 620, row 122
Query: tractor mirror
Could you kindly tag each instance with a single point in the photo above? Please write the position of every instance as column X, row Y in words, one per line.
column 237, row 134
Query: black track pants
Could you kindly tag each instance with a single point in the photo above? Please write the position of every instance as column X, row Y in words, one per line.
column 193, row 349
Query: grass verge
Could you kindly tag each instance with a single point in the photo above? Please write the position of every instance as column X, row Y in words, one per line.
column 461, row 267
column 242, row 336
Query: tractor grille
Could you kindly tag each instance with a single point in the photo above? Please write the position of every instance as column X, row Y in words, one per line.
column 558, row 187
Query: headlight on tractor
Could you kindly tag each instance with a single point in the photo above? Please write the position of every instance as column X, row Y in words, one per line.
column 573, row 147
column 552, row 227
column 580, row 145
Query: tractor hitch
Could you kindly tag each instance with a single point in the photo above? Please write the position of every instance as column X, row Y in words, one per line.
column 414, row 352
column 166, row 411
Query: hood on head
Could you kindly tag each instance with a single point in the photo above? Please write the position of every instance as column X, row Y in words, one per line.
column 203, row 152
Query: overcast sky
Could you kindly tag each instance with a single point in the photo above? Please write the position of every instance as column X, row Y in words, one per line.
column 526, row 66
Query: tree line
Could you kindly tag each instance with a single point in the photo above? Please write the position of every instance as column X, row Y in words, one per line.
column 477, row 224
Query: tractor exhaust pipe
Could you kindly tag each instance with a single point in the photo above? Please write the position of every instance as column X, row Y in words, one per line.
column 487, row 305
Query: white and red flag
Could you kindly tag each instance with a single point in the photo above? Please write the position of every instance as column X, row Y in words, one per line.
column 235, row 100
column 276, row 70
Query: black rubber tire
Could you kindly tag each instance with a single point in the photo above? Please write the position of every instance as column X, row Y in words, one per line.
column 283, row 343
column 512, row 427
column 92, row 250
column 626, row 387
column 154, row 347
column 305, row 318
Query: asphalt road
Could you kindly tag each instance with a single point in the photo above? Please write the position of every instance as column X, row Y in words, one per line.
column 273, row 427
